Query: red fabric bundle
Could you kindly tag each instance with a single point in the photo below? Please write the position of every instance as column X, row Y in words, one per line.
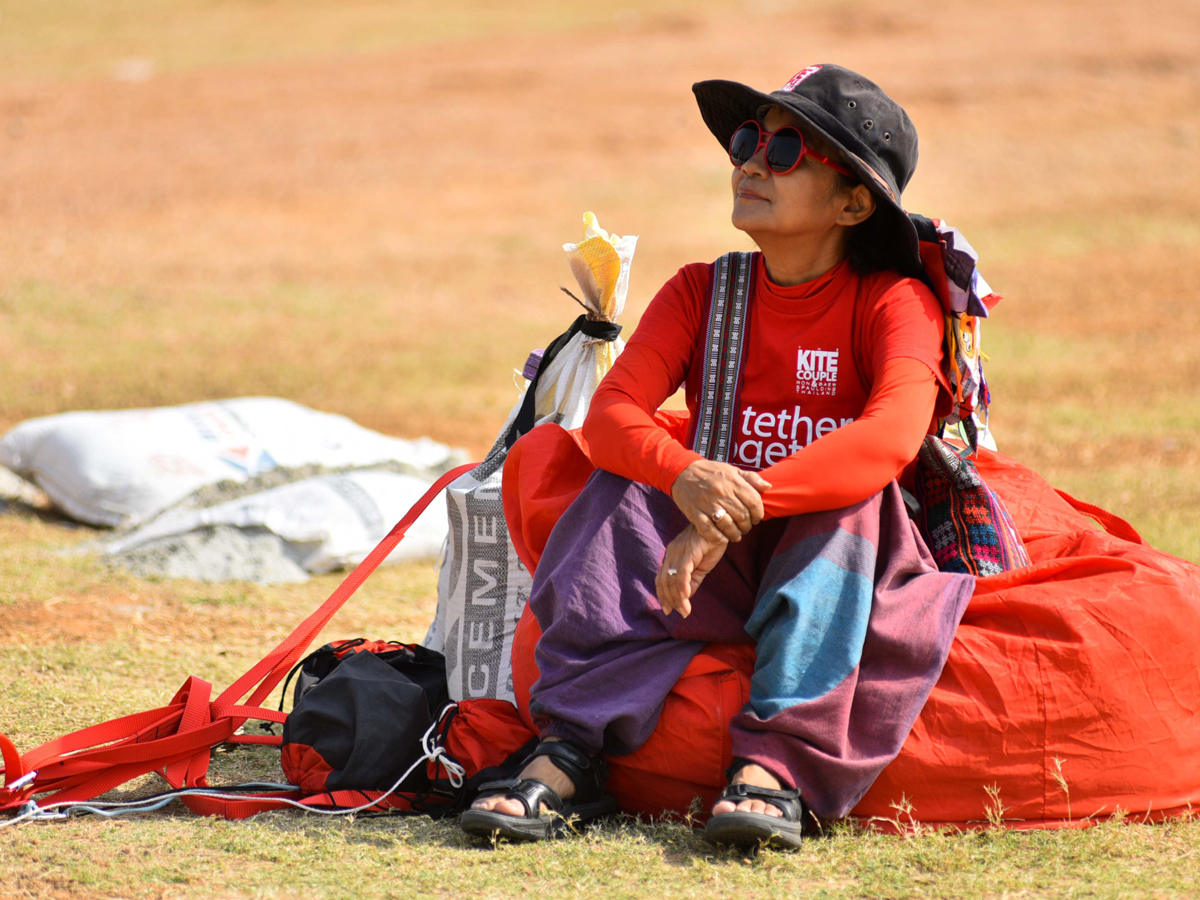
column 1082, row 664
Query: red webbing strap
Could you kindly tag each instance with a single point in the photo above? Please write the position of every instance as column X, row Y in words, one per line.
column 164, row 750
column 115, row 775
column 177, row 739
column 243, row 807
column 196, row 713
column 257, row 712
column 88, row 775
column 273, row 740
column 271, row 669
column 12, row 760
column 264, row 713
column 123, row 729
column 1112, row 523
column 231, row 808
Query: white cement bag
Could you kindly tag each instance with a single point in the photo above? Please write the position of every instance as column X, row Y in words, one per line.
column 482, row 586
column 327, row 522
column 122, row 467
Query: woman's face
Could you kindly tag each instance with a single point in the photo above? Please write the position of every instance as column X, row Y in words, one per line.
column 808, row 201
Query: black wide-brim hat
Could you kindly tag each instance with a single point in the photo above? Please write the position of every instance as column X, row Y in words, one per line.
column 873, row 132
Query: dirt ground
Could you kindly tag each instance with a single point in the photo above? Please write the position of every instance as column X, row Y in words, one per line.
column 376, row 234
column 359, row 206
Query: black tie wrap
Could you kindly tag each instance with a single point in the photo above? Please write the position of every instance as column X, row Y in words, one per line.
column 600, row 331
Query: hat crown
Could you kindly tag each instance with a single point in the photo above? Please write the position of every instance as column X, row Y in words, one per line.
column 860, row 116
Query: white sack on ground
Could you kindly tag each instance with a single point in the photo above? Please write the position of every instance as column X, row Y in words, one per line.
column 13, row 487
column 483, row 587
column 321, row 524
column 122, row 467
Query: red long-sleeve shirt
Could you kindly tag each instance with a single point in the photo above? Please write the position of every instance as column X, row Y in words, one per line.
column 865, row 352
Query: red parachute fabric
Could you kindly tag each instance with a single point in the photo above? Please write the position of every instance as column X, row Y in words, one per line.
column 482, row 734
column 1082, row 665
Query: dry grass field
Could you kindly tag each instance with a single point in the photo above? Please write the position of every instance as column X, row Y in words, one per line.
column 358, row 206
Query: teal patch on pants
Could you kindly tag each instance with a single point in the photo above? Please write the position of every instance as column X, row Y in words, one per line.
column 810, row 632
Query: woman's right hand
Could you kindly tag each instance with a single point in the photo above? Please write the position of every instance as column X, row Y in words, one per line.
column 706, row 486
column 686, row 562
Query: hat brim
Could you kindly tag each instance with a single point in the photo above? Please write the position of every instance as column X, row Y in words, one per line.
column 725, row 105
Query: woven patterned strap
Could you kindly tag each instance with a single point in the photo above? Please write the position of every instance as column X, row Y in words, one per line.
column 730, row 296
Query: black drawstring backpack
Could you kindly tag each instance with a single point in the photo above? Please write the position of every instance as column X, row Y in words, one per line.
column 360, row 711
column 419, row 664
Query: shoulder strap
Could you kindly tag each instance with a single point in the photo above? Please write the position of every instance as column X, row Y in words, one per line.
column 732, row 291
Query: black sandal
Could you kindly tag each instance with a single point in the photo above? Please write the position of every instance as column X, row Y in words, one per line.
column 747, row 829
column 590, row 802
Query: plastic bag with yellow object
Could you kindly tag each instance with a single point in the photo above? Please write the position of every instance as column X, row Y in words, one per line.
column 600, row 263
column 482, row 586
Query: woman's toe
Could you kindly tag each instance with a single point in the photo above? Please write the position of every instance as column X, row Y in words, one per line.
column 502, row 805
column 723, row 806
column 760, row 807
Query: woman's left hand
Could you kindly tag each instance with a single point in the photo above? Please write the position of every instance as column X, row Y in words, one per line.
column 688, row 559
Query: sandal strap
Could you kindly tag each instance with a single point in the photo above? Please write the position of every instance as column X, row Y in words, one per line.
column 532, row 794
column 587, row 773
column 786, row 801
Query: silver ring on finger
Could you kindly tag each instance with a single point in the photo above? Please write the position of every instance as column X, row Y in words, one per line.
column 672, row 572
column 718, row 514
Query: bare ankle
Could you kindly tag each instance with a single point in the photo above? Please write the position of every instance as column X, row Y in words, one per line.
column 542, row 769
column 756, row 775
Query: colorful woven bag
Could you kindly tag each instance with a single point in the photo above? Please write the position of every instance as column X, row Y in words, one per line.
column 964, row 523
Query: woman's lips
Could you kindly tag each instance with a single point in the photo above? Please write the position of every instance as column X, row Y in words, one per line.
column 749, row 195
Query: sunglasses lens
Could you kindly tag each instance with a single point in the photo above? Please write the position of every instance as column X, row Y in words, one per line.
column 743, row 145
column 784, row 150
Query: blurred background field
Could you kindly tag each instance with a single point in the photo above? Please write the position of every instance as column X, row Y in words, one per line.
column 359, row 206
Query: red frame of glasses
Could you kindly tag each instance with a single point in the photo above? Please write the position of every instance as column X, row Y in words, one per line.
column 764, row 138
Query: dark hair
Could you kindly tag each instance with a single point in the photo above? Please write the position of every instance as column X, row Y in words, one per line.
column 865, row 246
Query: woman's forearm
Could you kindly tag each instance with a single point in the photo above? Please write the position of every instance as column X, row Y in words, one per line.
column 620, row 430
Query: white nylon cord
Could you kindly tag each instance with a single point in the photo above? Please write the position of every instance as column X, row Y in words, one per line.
column 432, row 751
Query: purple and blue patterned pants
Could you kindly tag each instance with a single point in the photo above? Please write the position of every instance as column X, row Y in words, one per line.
column 852, row 620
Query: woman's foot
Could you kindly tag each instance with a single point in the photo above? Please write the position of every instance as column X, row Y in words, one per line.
column 755, row 810
column 759, row 777
column 560, row 789
column 541, row 769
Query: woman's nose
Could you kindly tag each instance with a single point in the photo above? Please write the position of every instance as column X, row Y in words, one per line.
column 757, row 164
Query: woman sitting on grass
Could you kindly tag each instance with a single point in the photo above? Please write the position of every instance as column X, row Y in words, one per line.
column 812, row 373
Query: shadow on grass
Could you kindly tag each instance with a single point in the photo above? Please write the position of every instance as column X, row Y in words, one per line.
column 47, row 515
column 680, row 844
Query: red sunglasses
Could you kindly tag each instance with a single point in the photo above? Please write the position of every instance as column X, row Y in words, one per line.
column 785, row 148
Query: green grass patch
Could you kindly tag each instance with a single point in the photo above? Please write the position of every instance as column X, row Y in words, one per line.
column 282, row 855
